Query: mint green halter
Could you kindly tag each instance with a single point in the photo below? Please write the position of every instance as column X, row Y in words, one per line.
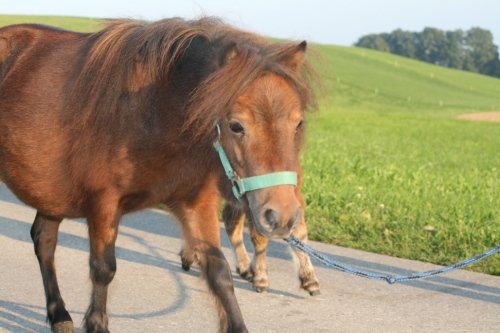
column 243, row 185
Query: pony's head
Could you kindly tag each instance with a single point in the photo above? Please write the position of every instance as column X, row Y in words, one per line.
column 263, row 134
column 261, row 128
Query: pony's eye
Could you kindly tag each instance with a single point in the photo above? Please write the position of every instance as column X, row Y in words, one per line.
column 236, row 127
column 300, row 124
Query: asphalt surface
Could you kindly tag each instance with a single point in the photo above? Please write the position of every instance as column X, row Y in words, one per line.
column 151, row 293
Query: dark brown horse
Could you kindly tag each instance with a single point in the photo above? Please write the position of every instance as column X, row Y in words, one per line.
column 99, row 125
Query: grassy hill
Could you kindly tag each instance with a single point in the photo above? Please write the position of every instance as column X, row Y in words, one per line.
column 388, row 167
column 361, row 78
column 82, row 24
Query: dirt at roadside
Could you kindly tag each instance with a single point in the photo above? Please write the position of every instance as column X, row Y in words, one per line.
column 482, row 116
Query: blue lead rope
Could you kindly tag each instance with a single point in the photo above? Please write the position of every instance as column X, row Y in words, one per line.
column 391, row 279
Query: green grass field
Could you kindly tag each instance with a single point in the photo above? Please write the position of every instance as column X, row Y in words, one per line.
column 388, row 167
column 82, row 24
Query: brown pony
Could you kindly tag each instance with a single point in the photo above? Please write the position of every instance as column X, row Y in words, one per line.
column 99, row 125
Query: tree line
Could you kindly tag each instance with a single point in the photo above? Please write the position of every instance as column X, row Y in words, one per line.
column 472, row 50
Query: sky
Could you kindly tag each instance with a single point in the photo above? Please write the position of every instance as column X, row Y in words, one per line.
column 339, row 22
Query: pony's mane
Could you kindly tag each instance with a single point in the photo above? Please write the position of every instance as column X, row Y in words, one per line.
column 115, row 52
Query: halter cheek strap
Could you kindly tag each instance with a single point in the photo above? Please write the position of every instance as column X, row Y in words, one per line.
column 243, row 185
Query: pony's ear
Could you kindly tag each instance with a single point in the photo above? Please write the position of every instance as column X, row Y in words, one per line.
column 295, row 57
column 229, row 53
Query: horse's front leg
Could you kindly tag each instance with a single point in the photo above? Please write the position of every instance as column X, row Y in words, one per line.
column 218, row 274
column 201, row 231
column 307, row 276
column 103, row 229
column 259, row 263
column 234, row 220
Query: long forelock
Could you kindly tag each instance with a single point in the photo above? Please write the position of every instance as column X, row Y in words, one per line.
column 212, row 100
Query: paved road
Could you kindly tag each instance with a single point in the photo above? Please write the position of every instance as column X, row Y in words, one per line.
column 151, row 293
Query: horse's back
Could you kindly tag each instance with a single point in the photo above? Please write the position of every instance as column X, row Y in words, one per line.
column 16, row 38
column 18, row 41
column 30, row 51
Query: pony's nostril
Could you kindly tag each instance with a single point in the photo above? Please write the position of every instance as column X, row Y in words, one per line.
column 271, row 218
column 295, row 219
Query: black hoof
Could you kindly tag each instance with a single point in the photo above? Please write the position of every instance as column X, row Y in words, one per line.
column 186, row 266
column 185, row 262
column 246, row 275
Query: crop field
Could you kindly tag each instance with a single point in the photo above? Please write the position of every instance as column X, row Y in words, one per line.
column 388, row 167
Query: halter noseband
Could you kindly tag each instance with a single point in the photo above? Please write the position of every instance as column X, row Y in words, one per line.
column 243, row 185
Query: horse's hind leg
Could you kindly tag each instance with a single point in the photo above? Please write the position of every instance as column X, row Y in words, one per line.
column 188, row 256
column 234, row 220
column 103, row 229
column 44, row 236
column 188, row 252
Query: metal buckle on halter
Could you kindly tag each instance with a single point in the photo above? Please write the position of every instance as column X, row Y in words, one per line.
column 238, row 192
column 217, row 127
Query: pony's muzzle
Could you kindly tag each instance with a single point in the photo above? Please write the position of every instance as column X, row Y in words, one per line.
column 273, row 223
column 275, row 211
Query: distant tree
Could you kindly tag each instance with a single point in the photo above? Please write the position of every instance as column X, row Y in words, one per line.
column 402, row 43
column 374, row 42
column 473, row 50
column 433, row 46
column 455, row 53
column 482, row 52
